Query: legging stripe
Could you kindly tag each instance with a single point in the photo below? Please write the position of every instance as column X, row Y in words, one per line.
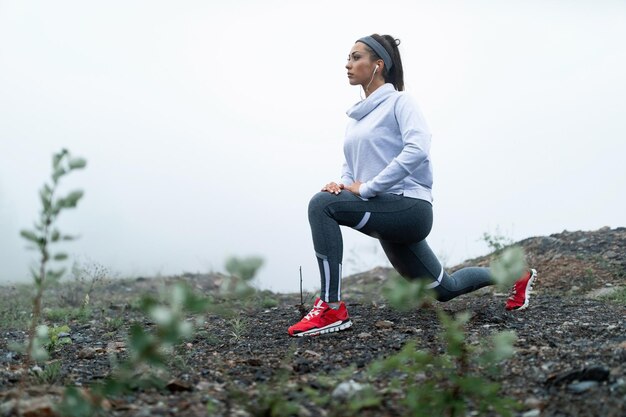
column 339, row 284
column 436, row 283
column 363, row 221
column 327, row 278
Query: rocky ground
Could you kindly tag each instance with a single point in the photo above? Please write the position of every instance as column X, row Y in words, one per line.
column 570, row 355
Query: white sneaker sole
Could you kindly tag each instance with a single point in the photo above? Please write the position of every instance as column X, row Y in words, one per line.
column 334, row 327
column 529, row 288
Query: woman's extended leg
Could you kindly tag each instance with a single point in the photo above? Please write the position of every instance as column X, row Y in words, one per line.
column 417, row 261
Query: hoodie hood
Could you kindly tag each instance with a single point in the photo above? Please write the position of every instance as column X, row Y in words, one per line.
column 364, row 107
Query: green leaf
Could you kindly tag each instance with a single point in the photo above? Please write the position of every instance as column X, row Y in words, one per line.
column 405, row 295
column 140, row 341
column 181, row 296
column 113, row 387
column 75, row 404
column 35, row 274
column 56, row 208
column 29, row 235
column 245, row 268
column 72, row 199
column 55, row 235
column 57, row 157
column 77, row 163
column 60, row 256
column 509, row 266
column 58, row 173
column 44, row 195
column 55, row 275
column 503, row 345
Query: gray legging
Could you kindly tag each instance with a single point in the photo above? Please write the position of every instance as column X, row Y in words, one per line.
column 401, row 224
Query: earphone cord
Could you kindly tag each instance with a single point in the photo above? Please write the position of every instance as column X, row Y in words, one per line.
column 368, row 84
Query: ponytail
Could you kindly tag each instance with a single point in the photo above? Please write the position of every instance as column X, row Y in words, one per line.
column 395, row 74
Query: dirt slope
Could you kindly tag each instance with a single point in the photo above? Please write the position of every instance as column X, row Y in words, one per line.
column 570, row 359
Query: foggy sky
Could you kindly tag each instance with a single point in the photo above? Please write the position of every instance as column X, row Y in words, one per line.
column 208, row 126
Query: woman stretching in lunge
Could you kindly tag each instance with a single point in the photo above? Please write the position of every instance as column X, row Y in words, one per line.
column 385, row 192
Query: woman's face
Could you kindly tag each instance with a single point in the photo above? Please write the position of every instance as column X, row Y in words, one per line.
column 360, row 65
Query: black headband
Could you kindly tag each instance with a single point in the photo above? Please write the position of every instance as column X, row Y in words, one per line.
column 379, row 49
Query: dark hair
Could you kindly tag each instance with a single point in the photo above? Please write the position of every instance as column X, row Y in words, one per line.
column 395, row 74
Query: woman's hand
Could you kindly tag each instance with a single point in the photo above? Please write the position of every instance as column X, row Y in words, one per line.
column 333, row 188
column 353, row 188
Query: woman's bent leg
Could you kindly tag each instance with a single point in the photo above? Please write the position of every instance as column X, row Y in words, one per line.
column 328, row 244
column 417, row 261
column 388, row 216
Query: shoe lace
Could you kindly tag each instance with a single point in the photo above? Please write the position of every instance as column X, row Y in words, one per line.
column 315, row 311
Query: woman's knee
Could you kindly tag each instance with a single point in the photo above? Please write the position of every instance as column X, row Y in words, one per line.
column 319, row 202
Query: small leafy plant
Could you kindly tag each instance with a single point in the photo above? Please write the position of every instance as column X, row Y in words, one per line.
column 57, row 337
column 450, row 384
column 45, row 233
column 41, row 238
column 152, row 350
column 50, row 374
column 86, row 275
column 496, row 241
column 242, row 272
column 148, row 350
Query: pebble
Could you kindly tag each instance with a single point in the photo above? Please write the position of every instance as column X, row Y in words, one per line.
column 347, row 389
column 532, row 413
column 580, row 387
column 532, row 402
column 364, row 335
column 176, row 385
column 603, row 292
column 384, row 324
column 87, row 353
column 313, row 353
column 144, row 412
column 618, row 385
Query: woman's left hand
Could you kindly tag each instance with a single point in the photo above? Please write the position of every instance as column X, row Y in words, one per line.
column 353, row 188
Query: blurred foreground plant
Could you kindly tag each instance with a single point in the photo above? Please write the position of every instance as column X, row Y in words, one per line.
column 149, row 351
column 450, row 384
column 508, row 266
column 175, row 318
column 45, row 232
column 41, row 237
column 242, row 272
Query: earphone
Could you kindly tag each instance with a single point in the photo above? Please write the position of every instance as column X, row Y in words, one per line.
column 373, row 75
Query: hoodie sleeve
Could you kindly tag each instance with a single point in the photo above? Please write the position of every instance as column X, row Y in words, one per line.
column 415, row 148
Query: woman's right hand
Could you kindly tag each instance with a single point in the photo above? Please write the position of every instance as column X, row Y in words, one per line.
column 333, row 188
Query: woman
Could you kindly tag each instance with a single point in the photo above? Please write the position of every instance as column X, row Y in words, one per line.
column 385, row 192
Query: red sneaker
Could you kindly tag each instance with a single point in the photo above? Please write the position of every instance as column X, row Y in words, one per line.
column 322, row 319
column 520, row 293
